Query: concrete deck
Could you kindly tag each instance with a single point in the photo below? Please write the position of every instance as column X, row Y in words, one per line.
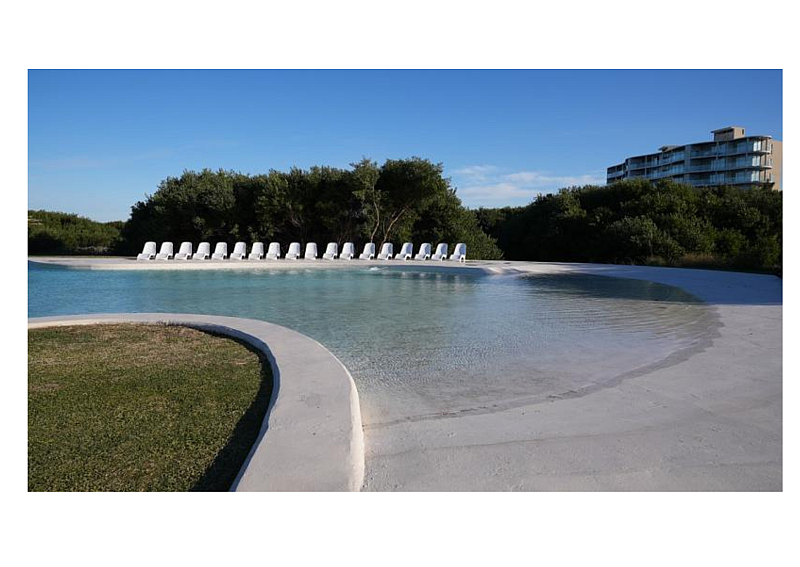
column 311, row 438
column 120, row 263
column 709, row 422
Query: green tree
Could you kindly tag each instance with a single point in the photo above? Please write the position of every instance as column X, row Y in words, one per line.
column 63, row 233
column 404, row 188
column 406, row 199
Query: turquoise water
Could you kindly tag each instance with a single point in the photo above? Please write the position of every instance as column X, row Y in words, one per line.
column 419, row 343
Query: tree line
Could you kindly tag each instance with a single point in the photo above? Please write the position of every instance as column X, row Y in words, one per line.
column 636, row 221
column 632, row 221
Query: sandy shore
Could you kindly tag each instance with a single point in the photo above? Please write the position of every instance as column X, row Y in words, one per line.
column 712, row 421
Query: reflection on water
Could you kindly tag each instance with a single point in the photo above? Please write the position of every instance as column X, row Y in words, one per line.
column 420, row 343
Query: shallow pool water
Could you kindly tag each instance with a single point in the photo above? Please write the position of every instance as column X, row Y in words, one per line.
column 421, row 344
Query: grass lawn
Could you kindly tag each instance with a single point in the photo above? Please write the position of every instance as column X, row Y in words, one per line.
column 140, row 407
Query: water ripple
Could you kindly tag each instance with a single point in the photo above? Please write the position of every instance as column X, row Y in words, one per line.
column 420, row 343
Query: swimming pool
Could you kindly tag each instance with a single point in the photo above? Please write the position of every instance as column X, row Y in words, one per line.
column 422, row 344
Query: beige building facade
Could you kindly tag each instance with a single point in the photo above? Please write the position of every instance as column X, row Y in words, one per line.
column 730, row 158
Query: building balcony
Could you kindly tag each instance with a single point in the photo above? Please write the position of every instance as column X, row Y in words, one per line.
column 728, row 149
column 753, row 177
column 727, row 165
column 749, row 148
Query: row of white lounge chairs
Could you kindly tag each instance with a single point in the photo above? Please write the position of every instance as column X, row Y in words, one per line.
column 274, row 252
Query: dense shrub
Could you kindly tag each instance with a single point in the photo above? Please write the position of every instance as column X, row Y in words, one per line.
column 63, row 233
column 639, row 221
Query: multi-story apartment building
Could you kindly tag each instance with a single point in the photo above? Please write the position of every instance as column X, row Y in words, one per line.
column 731, row 158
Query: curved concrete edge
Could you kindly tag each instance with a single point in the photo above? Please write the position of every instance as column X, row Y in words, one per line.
column 311, row 438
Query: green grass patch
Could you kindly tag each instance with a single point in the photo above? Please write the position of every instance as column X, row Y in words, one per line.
column 140, row 407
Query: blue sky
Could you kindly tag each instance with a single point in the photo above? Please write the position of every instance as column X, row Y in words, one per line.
column 98, row 141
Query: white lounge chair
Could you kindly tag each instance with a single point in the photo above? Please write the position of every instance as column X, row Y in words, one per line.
column 166, row 251
column 424, row 252
column 239, row 251
column 220, row 251
column 441, row 252
column 348, row 251
column 386, row 251
column 257, row 251
column 331, row 251
column 405, row 252
column 203, row 251
column 148, row 252
column 369, row 251
column 311, row 251
column 460, row 253
column 184, row 252
column 274, row 251
column 294, row 251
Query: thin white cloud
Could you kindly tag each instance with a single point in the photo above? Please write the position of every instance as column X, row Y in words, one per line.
column 78, row 162
column 477, row 170
column 488, row 185
column 477, row 173
column 85, row 162
column 496, row 192
column 539, row 179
